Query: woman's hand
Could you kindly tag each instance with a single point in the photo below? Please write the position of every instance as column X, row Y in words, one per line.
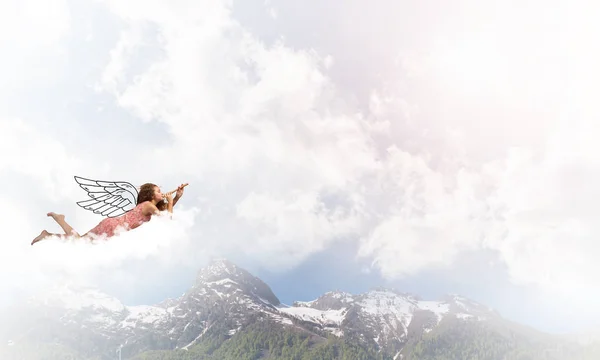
column 180, row 190
column 169, row 199
column 179, row 193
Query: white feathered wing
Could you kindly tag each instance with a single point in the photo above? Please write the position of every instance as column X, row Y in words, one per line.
column 108, row 198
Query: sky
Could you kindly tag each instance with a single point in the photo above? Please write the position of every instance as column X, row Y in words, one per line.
column 434, row 147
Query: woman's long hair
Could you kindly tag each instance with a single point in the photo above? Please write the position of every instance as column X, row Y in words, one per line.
column 146, row 193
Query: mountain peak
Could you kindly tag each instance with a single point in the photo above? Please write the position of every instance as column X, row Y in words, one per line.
column 222, row 272
column 218, row 267
column 330, row 300
column 393, row 292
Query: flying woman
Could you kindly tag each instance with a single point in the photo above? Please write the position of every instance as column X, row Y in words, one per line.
column 150, row 201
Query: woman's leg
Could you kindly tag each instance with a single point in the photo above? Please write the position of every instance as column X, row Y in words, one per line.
column 44, row 234
column 60, row 219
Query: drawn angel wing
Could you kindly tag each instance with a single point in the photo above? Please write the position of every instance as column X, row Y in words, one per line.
column 108, row 198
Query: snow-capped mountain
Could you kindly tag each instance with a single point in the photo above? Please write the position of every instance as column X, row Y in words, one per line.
column 224, row 300
column 384, row 317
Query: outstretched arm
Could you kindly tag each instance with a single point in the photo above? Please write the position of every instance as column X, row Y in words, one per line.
column 179, row 193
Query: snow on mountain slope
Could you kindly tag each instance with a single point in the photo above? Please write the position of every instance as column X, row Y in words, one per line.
column 323, row 317
column 387, row 304
column 438, row 308
column 330, row 300
column 382, row 316
column 144, row 315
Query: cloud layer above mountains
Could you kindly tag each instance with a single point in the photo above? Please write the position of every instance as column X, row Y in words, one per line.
column 462, row 129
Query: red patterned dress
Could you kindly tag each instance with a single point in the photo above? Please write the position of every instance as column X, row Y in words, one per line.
column 127, row 221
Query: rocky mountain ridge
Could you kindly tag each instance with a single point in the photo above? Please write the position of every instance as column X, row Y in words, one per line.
column 223, row 301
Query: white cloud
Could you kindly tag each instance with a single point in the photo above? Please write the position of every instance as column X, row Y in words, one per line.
column 425, row 217
column 266, row 121
column 286, row 164
column 549, row 213
column 527, row 154
column 535, row 205
column 31, row 32
column 33, row 23
column 296, row 227
column 29, row 152
column 262, row 125
column 27, row 269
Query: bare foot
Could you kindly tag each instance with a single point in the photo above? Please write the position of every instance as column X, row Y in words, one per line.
column 41, row 236
column 56, row 216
